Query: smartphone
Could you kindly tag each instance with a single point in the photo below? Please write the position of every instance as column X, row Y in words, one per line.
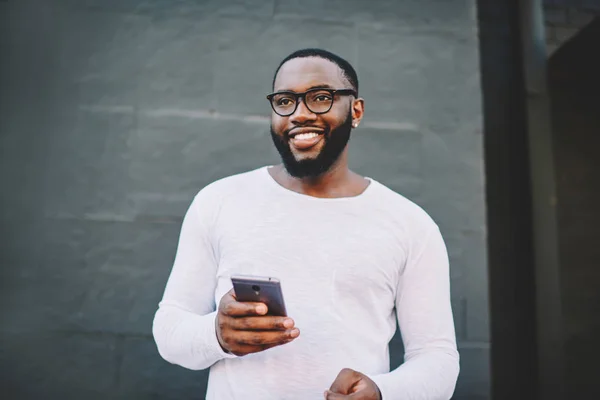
column 261, row 289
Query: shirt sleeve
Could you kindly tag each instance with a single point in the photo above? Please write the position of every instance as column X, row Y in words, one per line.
column 431, row 360
column 184, row 325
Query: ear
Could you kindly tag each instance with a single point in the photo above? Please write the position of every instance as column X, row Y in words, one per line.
column 358, row 110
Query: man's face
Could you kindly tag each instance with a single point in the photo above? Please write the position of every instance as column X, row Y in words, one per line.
column 304, row 154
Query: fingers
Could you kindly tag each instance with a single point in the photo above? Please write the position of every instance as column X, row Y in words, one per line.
column 264, row 337
column 241, row 346
column 329, row 395
column 351, row 384
column 344, row 382
column 242, row 328
column 229, row 306
column 266, row 323
column 242, row 350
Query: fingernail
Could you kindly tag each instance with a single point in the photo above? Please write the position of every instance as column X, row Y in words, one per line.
column 288, row 323
column 261, row 309
column 295, row 333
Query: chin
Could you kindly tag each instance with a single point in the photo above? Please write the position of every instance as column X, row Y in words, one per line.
column 304, row 156
column 309, row 154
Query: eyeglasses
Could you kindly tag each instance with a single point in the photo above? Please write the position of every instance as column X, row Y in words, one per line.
column 317, row 100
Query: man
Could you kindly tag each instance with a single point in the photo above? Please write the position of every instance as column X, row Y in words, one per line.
column 352, row 256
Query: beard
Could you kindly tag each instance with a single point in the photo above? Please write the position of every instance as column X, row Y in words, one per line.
column 334, row 143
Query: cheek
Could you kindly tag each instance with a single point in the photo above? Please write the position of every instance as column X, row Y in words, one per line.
column 278, row 123
column 335, row 119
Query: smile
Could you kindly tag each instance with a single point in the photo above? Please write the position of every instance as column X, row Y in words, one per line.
column 306, row 140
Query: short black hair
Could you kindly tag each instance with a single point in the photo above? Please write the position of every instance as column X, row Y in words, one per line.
column 344, row 65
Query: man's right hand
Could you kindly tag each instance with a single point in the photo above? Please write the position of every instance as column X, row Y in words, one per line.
column 243, row 328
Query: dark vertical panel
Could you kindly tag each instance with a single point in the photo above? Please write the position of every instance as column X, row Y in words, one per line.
column 549, row 338
column 509, row 203
column 574, row 86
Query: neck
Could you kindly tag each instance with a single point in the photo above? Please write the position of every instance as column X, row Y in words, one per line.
column 338, row 181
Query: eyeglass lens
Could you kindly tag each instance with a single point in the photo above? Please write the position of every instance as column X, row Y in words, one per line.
column 317, row 101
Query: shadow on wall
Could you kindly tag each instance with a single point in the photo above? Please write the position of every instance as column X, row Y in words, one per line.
column 574, row 83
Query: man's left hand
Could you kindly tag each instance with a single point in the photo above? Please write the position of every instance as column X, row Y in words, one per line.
column 351, row 384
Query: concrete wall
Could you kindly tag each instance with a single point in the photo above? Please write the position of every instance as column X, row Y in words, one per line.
column 115, row 113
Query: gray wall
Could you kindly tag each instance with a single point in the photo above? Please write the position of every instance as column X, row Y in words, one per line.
column 115, row 113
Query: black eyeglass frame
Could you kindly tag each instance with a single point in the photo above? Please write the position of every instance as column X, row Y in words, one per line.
column 302, row 96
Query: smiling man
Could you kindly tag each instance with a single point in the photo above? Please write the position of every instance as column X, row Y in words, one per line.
column 353, row 256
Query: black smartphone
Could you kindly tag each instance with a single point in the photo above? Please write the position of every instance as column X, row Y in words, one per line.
column 261, row 289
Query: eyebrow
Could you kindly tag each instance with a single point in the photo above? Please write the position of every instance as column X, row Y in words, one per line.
column 319, row 86
column 323, row 85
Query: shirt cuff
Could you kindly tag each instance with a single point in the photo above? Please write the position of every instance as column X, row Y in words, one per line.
column 381, row 385
column 213, row 341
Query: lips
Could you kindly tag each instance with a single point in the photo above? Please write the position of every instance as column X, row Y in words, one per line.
column 305, row 138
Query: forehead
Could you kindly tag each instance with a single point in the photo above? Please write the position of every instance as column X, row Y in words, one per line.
column 299, row 74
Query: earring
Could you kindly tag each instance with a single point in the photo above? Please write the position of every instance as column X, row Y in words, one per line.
column 355, row 125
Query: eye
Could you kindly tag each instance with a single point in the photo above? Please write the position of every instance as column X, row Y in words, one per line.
column 319, row 96
column 284, row 101
column 322, row 97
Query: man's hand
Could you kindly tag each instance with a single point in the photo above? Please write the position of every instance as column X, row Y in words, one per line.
column 351, row 384
column 243, row 328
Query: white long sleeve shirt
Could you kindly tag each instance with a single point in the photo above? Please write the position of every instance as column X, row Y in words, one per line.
column 348, row 268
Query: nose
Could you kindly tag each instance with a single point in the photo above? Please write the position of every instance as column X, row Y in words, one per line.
column 302, row 113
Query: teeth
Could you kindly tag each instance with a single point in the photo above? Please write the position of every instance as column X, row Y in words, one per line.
column 303, row 136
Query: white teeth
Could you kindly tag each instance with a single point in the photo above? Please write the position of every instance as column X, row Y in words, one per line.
column 303, row 136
